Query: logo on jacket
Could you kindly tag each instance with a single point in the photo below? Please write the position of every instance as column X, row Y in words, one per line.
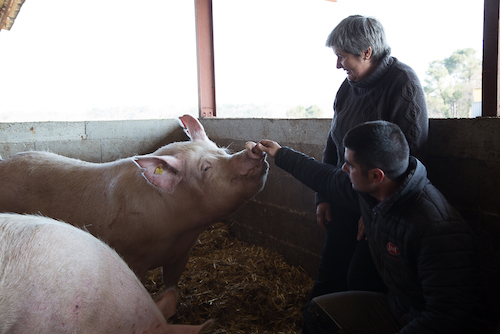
column 392, row 249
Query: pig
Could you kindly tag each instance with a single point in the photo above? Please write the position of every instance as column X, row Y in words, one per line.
column 150, row 208
column 57, row 278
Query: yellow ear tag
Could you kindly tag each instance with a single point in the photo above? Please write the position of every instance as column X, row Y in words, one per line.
column 159, row 169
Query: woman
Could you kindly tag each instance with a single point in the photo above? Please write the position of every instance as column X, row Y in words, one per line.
column 377, row 87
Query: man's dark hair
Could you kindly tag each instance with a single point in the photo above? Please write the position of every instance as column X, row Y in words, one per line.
column 379, row 144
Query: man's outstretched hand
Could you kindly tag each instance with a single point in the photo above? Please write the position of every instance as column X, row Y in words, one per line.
column 268, row 146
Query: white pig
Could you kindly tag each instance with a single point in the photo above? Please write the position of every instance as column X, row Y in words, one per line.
column 56, row 278
column 150, row 208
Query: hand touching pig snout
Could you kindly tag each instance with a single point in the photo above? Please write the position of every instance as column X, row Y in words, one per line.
column 57, row 278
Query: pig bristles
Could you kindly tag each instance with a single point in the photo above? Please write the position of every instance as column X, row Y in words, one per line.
column 84, row 227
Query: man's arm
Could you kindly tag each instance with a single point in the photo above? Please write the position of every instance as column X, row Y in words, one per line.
column 318, row 176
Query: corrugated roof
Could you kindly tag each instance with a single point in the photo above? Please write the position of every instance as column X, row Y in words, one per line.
column 8, row 12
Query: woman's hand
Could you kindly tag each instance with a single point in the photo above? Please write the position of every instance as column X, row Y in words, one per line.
column 361, row 229
column 324, row 214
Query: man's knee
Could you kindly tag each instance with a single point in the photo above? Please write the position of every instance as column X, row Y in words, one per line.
column 349, row 312
column 318, row 321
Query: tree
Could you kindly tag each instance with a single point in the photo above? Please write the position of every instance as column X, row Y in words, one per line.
column 301, row 112
column 449, row 84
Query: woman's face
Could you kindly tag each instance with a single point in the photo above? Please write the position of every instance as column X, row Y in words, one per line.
column 357, row 67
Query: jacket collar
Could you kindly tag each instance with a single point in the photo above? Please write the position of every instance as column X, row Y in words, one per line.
column 414, row 182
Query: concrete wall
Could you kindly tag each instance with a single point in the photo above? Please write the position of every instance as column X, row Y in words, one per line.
column 463, row 162
column 89, row 141
column 282, row 217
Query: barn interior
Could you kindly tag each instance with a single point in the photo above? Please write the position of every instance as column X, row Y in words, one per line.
column 463, row 158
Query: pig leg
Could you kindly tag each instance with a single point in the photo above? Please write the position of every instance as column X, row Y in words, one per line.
column 167, row 303
column 190, row 329
column 175, row 270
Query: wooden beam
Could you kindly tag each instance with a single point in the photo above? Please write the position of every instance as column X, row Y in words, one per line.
column 4, row 15
column 9, row 9
column 205, row 57
column 490, row 81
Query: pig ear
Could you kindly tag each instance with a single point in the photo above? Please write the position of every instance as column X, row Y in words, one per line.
column 164, row 172
column 193, row 128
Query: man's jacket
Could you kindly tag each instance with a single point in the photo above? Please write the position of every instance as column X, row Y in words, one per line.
column 424, row 251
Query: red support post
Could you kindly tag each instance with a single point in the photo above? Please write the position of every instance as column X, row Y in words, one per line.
column 205, row 57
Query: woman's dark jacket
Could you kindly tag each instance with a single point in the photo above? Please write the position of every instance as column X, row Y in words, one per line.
column 424, row 251
column 392, row 92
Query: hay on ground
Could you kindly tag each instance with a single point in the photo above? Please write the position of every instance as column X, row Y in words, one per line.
column 245, row 288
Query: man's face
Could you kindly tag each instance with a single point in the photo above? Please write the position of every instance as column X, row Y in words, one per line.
column 360, row 182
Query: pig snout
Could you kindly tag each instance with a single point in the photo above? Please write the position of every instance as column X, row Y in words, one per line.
column 252, row 161
column 253, row 151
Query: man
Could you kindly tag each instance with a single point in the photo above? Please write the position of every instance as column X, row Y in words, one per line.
column 424, row 251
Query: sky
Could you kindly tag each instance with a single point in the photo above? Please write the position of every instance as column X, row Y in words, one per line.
column 112, row 59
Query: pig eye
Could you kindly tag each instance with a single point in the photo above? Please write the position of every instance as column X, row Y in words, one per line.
column 206, row 166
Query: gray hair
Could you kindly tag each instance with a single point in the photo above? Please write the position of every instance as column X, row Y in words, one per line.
column 356, row 33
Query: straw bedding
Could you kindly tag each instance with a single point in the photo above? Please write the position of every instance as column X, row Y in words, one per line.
column 245, row 288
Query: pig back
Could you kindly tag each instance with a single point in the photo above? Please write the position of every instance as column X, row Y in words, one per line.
column 90, row 195
column 43, row 182
column 56, row 278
